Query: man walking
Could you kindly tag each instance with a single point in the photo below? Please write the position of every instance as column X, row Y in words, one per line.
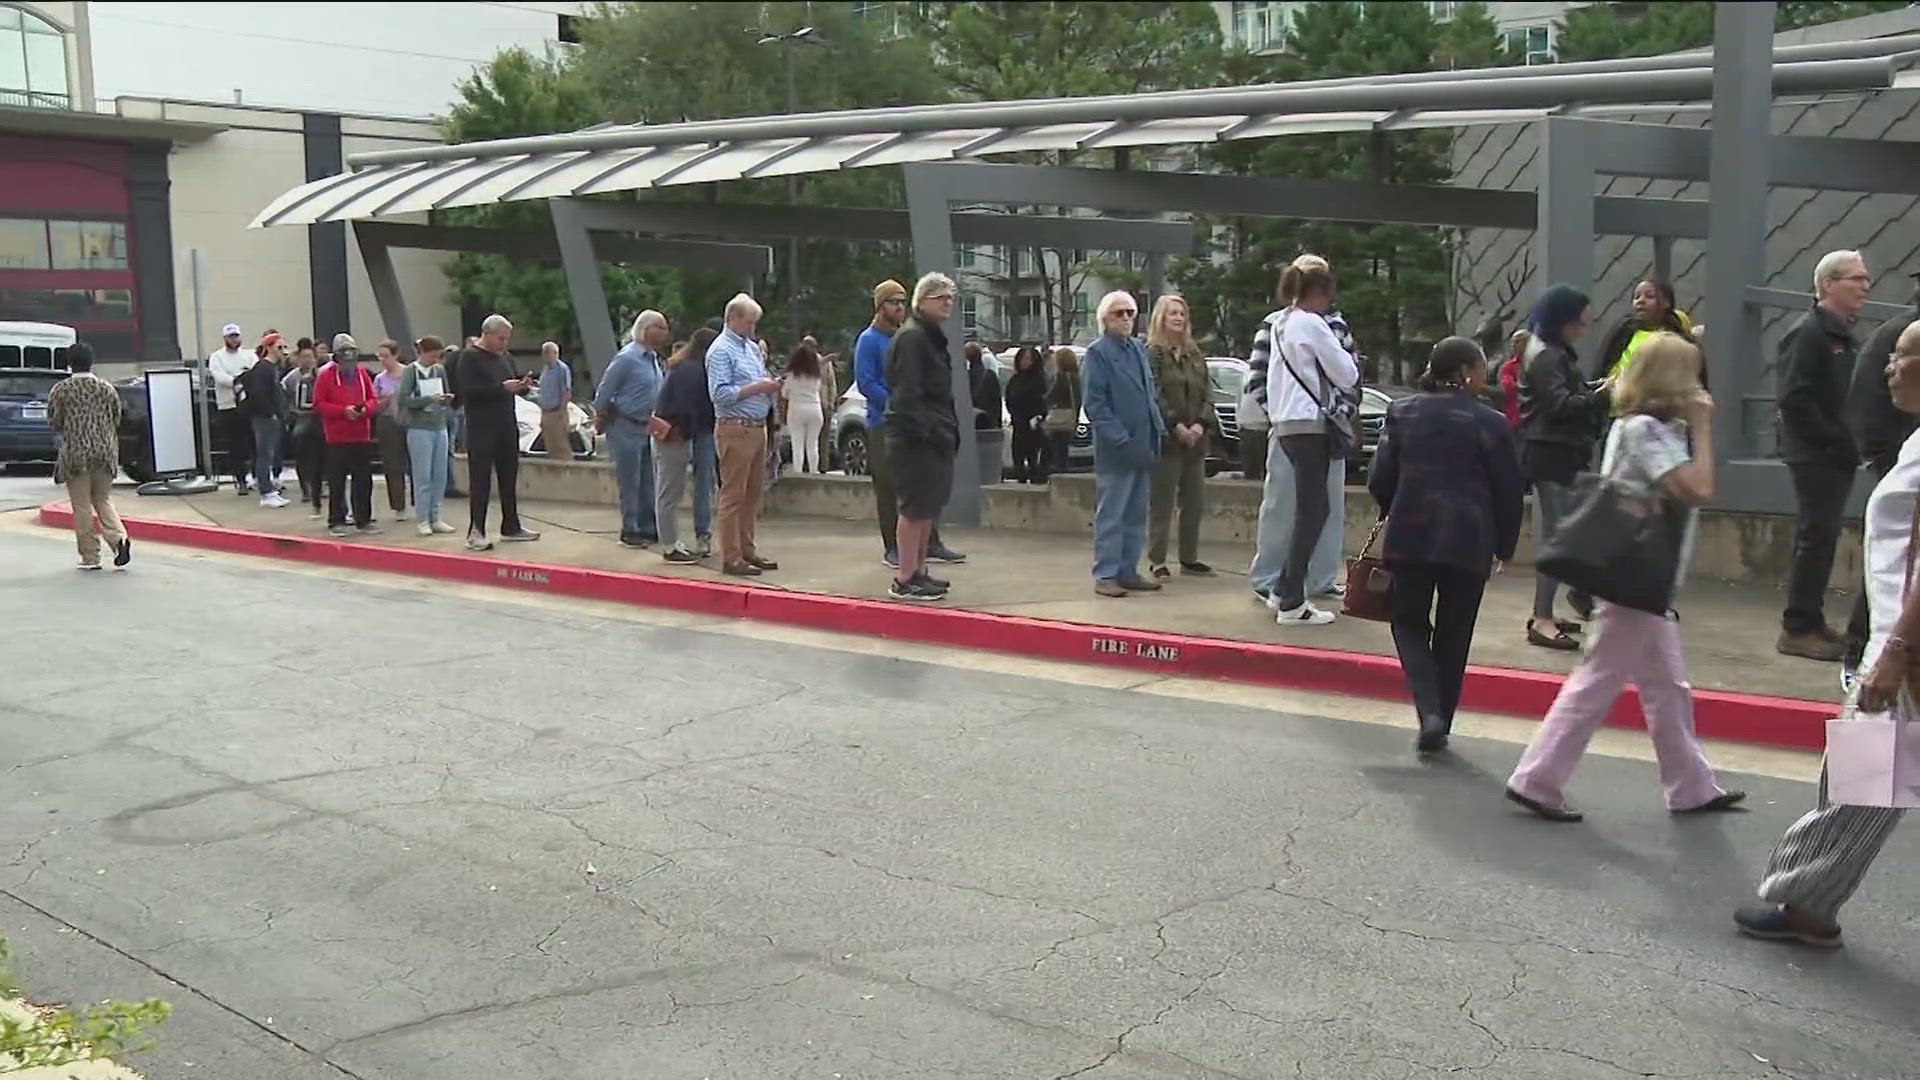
column 84, row 410
column 261, row 399
column 1816, row 362
column 1124, row 408
column 226, row 365
column 345, row 399
column 622, row 411
column 742, row 394
column 870, row 375
column 1879, row 430
column 682, row 430
column 489, row 386
column 555, row 394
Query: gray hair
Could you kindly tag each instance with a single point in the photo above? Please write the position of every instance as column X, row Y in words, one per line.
column 549, row 348
column 743, row 306
column 1117, row 296
column 929, row 284
column 494, row 324
column 1829, row 267
column 642, row 321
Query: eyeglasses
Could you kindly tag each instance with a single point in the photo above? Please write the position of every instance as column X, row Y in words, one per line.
column 1128, row 312
column 900, row 300
column 1864, row 279
column 941, row 296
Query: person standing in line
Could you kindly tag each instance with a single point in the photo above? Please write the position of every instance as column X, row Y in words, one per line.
column 923, row 432
column 1065, row 408
column 279, row 356
column 622, row 410
column 261, row 399
column 1123, row 408
column 682, row 431
column 85, row 410
column 303, row 426
column 742, row 394
column 1027, row 410
column 488, row 384
column 555, row 393
column 801, row 391
column 1560, row 416
column 225, row 365
column 1655, row 311
column 456, row 419
column 1186, row 403
column 389, row 427
column 1662, row 408
column 1313, row 368
column 1880, row 428
column 1820, row 862
column 870, row 375
column 983, row 387
column 345, row 399
column 1447, row 479
column 1815, row 364
column 423, row 399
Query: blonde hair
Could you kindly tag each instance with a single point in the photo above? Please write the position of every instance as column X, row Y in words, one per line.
column 1157, row 333
column 1304, row 272
column 929, row 284
column 1663, row 377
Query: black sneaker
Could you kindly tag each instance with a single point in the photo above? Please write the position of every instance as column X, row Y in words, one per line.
column 682, row 556
column 942, row 553
column 1773, row 922
column 924, row 578
column 521, row 537
column 634, row 541
column 914, row 591
column 123, row 554
column 338, row 532
column 369, row 529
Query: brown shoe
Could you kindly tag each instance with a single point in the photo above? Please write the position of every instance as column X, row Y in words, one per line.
column 1109, row 587
column 759, row 563
column 1139, row 584
column 1812, row 646
column 741, row 569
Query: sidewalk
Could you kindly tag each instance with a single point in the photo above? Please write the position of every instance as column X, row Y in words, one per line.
column 1729, row 629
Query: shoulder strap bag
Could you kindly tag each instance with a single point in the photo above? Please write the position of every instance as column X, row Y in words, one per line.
column 1369, row 583
column 1621, row 546
column 1338, row 411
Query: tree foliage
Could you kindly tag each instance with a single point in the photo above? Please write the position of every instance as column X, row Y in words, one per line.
column 1606, row 31
column 50, row 1038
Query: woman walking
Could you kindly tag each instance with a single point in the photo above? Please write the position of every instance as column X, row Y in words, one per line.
column 1448, row 484
column 1560, row 416
column 1186, row 407
column 1662, row 404
column 423, row 399
column 389, row 430
column 805, row 416
column 1027, row 409
column 1064, row 405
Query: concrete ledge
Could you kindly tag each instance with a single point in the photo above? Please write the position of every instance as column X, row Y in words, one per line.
column 1728, row 545
column 1752, row 718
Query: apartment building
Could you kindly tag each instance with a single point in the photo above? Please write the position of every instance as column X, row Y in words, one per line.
column 1530, row 28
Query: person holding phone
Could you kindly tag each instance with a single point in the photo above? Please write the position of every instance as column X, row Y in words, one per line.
column 488, row 386
column 344, row 397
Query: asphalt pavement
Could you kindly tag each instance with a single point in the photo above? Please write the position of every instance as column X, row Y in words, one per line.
column 386, row 830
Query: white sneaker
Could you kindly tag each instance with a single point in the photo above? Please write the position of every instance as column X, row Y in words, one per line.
column 274, row 501
column 477, row 541
column 1272, row 600
column 1304, row 615
column 441, row 527
column 425, row 529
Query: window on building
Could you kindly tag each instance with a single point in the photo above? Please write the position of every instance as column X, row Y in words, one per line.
column 23, row 244
column 963, row 257
column 1444, row 10
column 39, row 244
column 1023, row 263
column 1532, row 44
column 969, row 316
column 569, row 29
column 33, row 62
column 1260, row 26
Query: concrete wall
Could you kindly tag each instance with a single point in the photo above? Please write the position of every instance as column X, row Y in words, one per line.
column 1750, row 548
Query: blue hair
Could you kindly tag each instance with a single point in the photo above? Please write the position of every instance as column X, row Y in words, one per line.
column 1558, row 306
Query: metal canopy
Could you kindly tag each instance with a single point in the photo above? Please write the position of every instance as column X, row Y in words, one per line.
column 627, row 158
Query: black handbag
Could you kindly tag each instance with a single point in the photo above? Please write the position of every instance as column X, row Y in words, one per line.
column 1621, row 547
column 1369, row 583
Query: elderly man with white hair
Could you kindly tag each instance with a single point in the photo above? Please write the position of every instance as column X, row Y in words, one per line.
column 1123, row 406
column 1815, row 366
column 489, row 386
column 554, row 393
column 622, row 411
column 743, row 394
column 922, row 432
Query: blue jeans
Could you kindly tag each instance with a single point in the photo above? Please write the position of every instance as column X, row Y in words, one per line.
column 1275, row 529
column 1121, row 497
column 427, row 451
column 633, row 475
column 266, row 453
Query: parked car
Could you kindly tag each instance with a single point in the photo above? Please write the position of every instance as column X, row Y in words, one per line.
column 1373, row 418
column 25, row 436
column 526, row 416
column 1225, row 376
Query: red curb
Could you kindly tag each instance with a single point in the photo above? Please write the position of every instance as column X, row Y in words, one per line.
column 1752, row 718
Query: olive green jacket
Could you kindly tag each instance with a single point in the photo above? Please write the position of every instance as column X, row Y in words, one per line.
column 1186, row 392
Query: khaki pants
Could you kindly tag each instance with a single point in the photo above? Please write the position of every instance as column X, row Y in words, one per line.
column 554, row 434
column 743, row 478
column 91, row 493
column 1181, row 477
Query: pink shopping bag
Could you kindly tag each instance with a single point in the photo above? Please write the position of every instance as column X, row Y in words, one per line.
column 1873, row 759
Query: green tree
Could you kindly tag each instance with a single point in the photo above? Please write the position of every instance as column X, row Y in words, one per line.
column 50, row 1038
column 1607, row 31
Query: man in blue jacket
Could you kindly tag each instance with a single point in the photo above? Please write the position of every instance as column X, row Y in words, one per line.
column 870, row 375
column 623, row 411
column 1123, row 405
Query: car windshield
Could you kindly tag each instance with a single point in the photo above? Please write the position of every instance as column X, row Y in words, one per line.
column 1226, row 380
column 16, row 386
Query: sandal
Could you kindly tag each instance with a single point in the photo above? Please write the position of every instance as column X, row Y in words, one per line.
column 1559, row 641
column 1568, row 626
column 1725, row 801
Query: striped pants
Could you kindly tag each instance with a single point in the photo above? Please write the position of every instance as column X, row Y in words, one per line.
column 1820, row 861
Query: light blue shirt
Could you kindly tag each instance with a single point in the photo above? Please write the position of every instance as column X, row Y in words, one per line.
column 630, row 386
column 733, row 362
column 555, row 380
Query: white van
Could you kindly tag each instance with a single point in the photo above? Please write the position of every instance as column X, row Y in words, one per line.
column 34, row 345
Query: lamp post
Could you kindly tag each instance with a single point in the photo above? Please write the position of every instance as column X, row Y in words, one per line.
column 807, row 35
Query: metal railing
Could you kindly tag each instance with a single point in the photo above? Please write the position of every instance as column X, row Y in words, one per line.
column 33, row 99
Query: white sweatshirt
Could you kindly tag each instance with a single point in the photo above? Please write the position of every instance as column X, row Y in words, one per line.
column 226, row 366
column 1305, row 338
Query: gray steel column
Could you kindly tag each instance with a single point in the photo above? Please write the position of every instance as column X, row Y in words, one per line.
column 386, row 287
column 1737, row 216
column 1663, row 258
column 589, row 297
column 1156, row 279
column 928, row 212
column 1564, row 229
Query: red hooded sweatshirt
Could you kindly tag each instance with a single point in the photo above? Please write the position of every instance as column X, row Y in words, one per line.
column 332, row 394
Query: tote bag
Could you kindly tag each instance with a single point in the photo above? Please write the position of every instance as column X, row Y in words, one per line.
column 1621, row 546
column 1873, row 759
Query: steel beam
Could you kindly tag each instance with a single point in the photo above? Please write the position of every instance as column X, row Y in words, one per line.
column 387, row 296
column 929, row 204
column 1663, row 259
column 1802, row 161
column 1563, row 239
column 613, row 247
column 1760, row 296
column 583, row 286
column 1736, row 216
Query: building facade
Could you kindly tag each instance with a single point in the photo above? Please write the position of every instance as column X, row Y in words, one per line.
column 1530, row 28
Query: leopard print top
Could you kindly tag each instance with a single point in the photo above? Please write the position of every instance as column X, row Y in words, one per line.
column 84, row 410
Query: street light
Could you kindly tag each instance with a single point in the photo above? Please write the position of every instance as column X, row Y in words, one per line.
column 804, row 35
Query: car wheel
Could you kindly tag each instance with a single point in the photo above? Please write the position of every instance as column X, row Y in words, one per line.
column 137, row 472
column 853, row 452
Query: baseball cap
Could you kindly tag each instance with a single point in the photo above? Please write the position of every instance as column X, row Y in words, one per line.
column 232, row 329
column 888, row 290
column 344, row 341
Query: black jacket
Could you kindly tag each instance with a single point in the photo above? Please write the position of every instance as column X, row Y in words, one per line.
column 920, row 387
column 260, row 390
column 479, row 374
column 1447, row 478
column 1816, row 362
column 684, row 401
column 1027, row 396
column 986, row 397
column 1556, row 405
column 1879, row 429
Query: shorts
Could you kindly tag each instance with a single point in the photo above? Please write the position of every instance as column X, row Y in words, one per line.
column 922, row 478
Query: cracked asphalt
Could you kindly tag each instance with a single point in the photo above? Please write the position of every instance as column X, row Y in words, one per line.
column 355, row 829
